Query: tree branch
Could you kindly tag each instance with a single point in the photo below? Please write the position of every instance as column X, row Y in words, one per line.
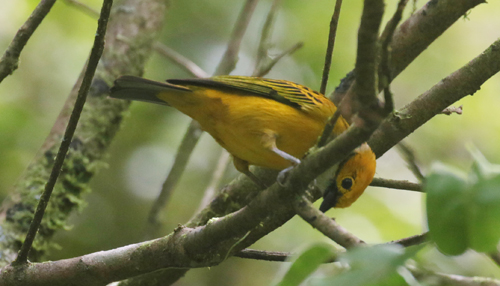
column 187, row 247
column 328, row 226
column 10, row 59
column 191, row 137
column 410, row 159
column 465, row 81
column 330, row 45
column 218, row 173
column 95, row 55
column 180, row 60
column 193, row 133
column 230, row 57
column 439, row 279
column 241, row 191
column 366, row 66
column 414, row 36
column 99, row 122
column 396, row 184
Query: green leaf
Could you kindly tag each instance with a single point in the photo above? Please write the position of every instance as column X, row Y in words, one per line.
column 484, row 217
column 447, row 208
column 375, row 265
column 307, row 263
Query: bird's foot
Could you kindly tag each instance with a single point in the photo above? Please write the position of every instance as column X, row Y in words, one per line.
column 282, row 175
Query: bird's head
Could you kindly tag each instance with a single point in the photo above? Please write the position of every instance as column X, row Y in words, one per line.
column 353, row 175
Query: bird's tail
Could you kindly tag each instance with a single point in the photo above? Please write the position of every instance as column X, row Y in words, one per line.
column 136, row 88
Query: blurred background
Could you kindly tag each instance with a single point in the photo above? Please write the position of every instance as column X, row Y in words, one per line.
column 143, row 151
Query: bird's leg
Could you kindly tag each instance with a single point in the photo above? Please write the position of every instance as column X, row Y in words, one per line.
column 242, row 166
column 269, row 141
column 282, row 174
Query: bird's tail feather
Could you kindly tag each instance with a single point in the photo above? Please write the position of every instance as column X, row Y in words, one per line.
column 136, row 88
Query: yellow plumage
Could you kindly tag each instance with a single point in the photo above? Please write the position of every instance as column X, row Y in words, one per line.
column 263, row 122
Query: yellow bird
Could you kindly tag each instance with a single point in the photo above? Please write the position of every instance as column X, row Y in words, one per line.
column 263, row 122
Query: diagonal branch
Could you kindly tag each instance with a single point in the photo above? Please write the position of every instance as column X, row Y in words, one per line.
column 465, row 81
column 191, row 137
column 230, row 57
column 326, row 225
column 10, row 59
column 471, row 76
column 187, row 247
column 180, row 60
column 331, row 44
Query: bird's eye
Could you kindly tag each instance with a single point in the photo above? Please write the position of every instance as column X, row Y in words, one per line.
column 347, row 183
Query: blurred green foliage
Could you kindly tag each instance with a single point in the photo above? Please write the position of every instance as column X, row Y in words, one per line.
column 370, row 266
column 308, row 261
column 463, row 210
column 143, row 151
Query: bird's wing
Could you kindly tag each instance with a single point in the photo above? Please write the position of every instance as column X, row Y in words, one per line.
column 286, row 92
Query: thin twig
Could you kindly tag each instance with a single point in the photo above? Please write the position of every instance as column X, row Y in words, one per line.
column 280, row 256
column 396, row 184
column 180, row 60
column 265, row 38
column 95, row 55
column 217, row 175
column 84, row 8
column 162, row 49
column 435, row 278
column 192, row 135
column 183, row 154
column 386, row 40
column 331, row 44
column 10, row 59
column 452, row 109
column 409, row 157
column 411, row 240
column 329, row 128
column 266, row 67
column 326, row 225
column 385, row 69
column 230, row 57
column 254, row 254
column 327, row 131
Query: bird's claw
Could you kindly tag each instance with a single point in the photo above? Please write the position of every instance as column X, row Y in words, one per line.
column 282, row 176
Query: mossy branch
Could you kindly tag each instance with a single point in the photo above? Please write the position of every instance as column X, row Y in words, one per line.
column 99, row 123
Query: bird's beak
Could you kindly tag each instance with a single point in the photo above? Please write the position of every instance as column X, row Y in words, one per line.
column 330, row 197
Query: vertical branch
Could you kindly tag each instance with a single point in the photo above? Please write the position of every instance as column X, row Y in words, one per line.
column 193, row 133
column 385, row 72
column 265, row 38
column 331, row 44
column 326, row 71
column 183, row 154
column 95, row 55
column 217, row 174
column 366, row 66
column 230, row 57
column 413, row 37
column 10, row 59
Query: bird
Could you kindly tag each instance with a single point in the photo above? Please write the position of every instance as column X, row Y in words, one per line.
column 263, row 122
